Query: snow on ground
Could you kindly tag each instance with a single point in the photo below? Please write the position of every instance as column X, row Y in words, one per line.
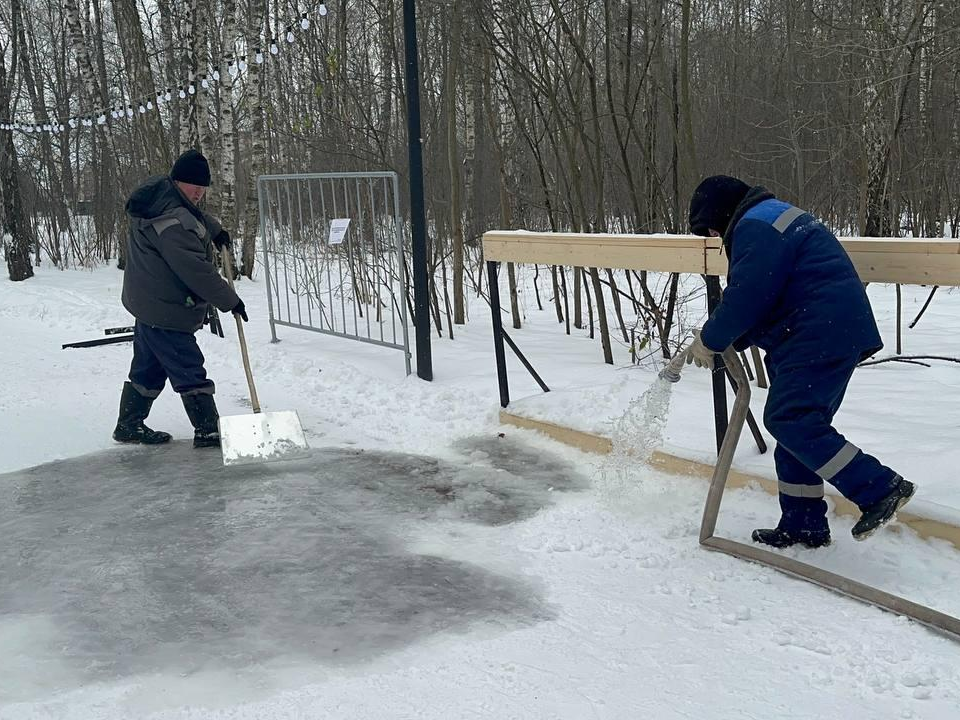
column 642, row 622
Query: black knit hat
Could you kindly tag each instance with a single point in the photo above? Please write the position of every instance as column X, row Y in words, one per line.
column 192, row 168
column 714, row 202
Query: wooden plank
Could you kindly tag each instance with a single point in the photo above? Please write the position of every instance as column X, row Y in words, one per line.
column 910, row 261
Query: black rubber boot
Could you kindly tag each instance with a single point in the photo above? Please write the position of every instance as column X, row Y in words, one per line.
column 202, row 411
column 134, row 409
column 779, row 538
column 882, row 512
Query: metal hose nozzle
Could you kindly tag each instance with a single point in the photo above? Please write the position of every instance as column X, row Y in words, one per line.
column 671, row 373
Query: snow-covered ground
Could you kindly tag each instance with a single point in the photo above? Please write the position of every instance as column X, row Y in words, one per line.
column 638, row 621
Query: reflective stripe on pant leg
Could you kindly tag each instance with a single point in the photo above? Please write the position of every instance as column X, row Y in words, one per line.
column 146, row 392
column 801, row 500
column 800, row 491
column 838, row 462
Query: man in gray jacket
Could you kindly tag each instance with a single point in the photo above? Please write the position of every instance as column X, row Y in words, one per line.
column 169, row 283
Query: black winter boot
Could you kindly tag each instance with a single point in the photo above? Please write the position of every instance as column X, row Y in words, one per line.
column 882, row 512
column 202, row 411
column 779, row 538
column 134, row 409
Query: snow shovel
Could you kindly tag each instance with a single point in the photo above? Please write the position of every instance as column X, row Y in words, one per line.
column 262, row 436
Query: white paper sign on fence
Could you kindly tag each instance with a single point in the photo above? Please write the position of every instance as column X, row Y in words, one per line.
column 338, row 230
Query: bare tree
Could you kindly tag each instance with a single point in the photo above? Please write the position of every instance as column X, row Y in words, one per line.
column 17, row 253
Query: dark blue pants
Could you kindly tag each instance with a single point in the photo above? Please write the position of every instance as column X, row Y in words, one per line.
column 801, row 404
column 159, row 355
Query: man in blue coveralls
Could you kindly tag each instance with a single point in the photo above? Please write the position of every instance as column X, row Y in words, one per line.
column 793, row 291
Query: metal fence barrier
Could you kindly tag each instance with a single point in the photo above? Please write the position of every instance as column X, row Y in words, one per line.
column 333, row 256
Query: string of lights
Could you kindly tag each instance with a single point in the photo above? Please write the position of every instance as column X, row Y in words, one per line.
column 154, row 101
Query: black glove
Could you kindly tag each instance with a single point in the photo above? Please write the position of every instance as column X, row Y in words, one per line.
column 222, row 240
column 240, row 310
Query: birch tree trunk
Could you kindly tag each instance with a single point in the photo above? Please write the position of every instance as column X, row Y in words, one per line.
column 93, row 95
column 133, row 46
column 254, row 103
column 189, row 116
column 226, row 188
column 55, row 196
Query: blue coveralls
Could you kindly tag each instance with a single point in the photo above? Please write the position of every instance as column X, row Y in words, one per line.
column 160, row 354
column 793, row 291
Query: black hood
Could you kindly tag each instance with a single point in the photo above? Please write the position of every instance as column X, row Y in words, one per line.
column 714, row 202
column 754, row 196
column 158, row 196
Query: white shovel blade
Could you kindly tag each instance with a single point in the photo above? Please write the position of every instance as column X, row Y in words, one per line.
column 262, row 437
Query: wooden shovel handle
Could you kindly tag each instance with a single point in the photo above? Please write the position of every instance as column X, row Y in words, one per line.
column 227, row 257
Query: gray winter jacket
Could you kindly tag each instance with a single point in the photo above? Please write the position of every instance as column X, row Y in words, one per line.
column 170, row 277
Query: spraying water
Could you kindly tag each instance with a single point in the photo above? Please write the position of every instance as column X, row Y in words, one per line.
column 637, row 434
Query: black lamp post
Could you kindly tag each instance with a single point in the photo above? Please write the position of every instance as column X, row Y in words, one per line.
column 421, row 295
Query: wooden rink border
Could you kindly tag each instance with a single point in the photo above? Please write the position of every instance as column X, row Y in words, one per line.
column 907, row 261
column 926, row 528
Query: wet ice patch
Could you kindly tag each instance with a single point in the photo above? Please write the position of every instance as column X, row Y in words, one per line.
column 161, row 560
column 491, row 481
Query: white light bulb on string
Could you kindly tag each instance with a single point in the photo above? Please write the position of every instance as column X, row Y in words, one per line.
column 258, row 57
column 216, row 76
column 159, row 99
column 322, row 9
column 204, row 83
column 142, row 109
column 232, row 71
column 290, row 37
column 192, row 89
column 62, row 128
column 305, row 22
column 242, row 64
column 102, row 120
column 167, row 95
column 114, row 114
column 183, row 94
column 149, row 105
column 130, row 111
column 273, row 48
